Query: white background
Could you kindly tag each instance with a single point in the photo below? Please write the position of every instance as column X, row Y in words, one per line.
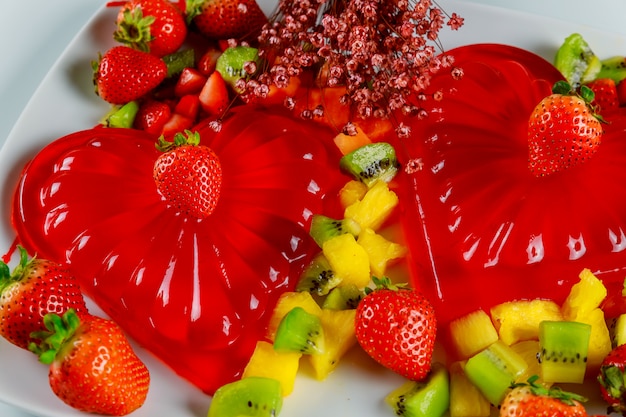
column 34, row 33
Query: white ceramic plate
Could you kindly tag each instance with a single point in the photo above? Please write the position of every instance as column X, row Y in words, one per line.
column 65, row 102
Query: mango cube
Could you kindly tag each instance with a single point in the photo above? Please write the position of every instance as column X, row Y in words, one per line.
column 374, row 208
column 519, row 320
column 348, row 260
column 381, row 252
column 472, row 333
column 267, row 362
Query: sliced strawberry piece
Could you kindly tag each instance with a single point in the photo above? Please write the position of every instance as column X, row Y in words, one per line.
column 606, row 96
column 208, row 61
column 188, row 106
column 214, row 95
column 190, row 81
column 152, row 116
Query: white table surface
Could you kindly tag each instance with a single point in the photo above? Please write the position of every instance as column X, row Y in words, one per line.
column 29, row 48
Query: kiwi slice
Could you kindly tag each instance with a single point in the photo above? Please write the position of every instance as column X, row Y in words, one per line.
column 563, row 350
column 613, row 68
column 344, row 297
column 231, row 62
column 576, row 60
column 299, row 331
column 324, row 228
column 247, row 397
column 318, row 277
column 371, row 162
column 427, row 398
column 494, row 369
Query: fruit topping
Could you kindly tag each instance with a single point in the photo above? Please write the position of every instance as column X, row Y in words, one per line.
column 299, row 331
column 168, row 278
column 564, row 348
column 427, row 398
column 248, row 397
column 324, row 228
column 611, row 380
column 576, row 60
column 372, row 162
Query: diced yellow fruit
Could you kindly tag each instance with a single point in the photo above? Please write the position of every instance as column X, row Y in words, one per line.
column 619, row 332
column 348, row 260
column 339, row 337
column 286, row 303
column 352, row 192
column 528, row 350
column 599, row 341
column 348, row 143
column 585, row 295
column 466, row 400
column 472, row 333
column 267, row 362
column 381, row 252
column 519, row 320
column 374, row 208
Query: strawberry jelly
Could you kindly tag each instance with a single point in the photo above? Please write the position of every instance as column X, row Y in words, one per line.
column 196, row 293
column 482, row 229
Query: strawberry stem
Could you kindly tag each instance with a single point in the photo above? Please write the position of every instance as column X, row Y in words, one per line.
column 566, row 397
column 6, row 276
column 180, row 139
column 60, row 329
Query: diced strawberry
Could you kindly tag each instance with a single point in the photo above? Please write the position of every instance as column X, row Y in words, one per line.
column 176, row 123
column 190, row 81
column 606, row 97
column 188, row 106
column 208, row 60
column 214, row 95
column 152, row 116
column 621, row 92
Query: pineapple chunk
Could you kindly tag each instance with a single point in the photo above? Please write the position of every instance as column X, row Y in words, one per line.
column 348, row 259
column 267, row 362
column 381, row 252
column 472, row 333
column 352, row 192
column 619, row 336
column 466, row 400
column 528, row 350
column 374, row 208
column 519, row 320
column 286, row 303
column 584, row 296
column 600, row 340
column 339, row 337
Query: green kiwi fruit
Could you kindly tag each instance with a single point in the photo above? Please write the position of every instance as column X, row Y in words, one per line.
column 563, row 350
column 371, row 162
column 576, row 60
column 247, row 397
column 230, row 63
column 426, row 398
column 176, row 62
column 324, row 228
column 318, row 277
column 613, row 68
column 122, row 116
column 494, row 369
column 344, row 297
column 299, row 331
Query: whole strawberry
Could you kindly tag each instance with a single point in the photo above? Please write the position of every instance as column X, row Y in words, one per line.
column 396, row 326
column 155, row 26
column 225, row 19
column 532, row 400
column 124, row 74
column 188, row 175
column 611, row 378
column 93, row 367
column 605, row 93
column 33, row 289
column 563, row 131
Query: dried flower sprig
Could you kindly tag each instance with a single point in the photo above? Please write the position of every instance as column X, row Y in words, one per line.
column 382, row 51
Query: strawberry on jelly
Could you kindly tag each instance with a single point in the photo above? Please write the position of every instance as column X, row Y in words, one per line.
column 196, row 293
column 482, row 228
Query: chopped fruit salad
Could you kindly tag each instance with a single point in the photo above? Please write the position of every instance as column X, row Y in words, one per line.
column 268, row 194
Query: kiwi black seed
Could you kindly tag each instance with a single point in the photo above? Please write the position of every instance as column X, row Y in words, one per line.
column 324, row 228
column 371, row 162
column 344, row 297
column 563, row 350
column 318, row 277
column 248, row 397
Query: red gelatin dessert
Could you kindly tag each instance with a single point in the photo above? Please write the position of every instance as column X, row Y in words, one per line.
column 196, row 292
column 482, row 228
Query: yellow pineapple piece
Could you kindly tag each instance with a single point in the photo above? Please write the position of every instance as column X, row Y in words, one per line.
column 528, row 350
column 381, row 252
column 599, row 341
column 466, row 400
column 286, row 302
column 374, row 208
column 519, row 320
column 619, row 330
column 348, row 260
column 267, row 362
column 584, row 296
column 339, row 337
column 352, row 192
column 472, row 333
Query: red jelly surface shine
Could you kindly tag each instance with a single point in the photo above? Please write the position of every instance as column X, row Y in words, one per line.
column 482, row 229
column 196, row 293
